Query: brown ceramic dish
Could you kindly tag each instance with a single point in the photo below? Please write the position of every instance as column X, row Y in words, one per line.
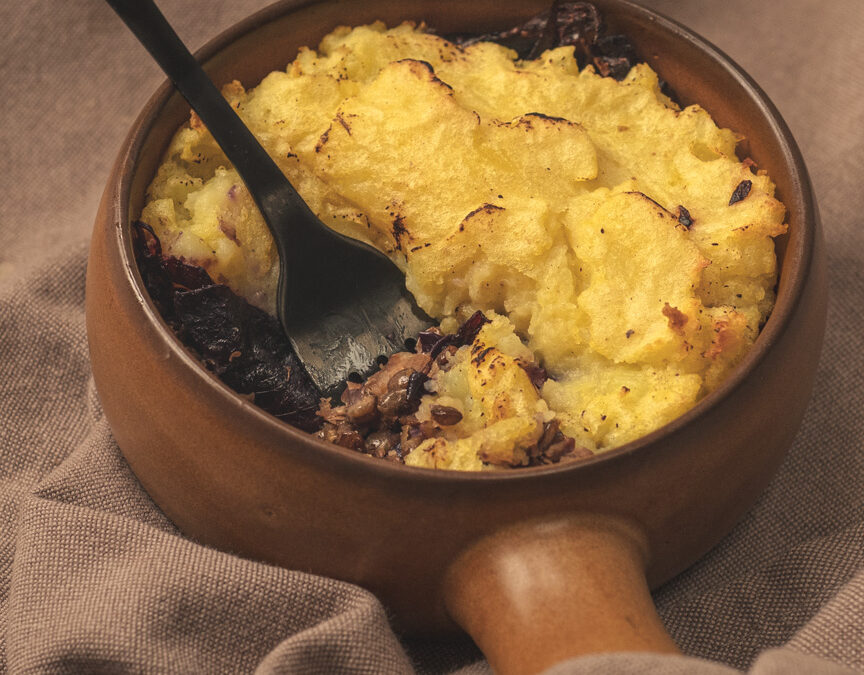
column 536, row 564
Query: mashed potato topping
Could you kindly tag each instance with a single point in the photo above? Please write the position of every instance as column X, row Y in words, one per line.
column 600, row 227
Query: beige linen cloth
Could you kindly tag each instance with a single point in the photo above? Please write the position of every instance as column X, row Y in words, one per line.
column 93, row 578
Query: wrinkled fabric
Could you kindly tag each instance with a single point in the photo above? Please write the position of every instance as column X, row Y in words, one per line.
column 94, row 578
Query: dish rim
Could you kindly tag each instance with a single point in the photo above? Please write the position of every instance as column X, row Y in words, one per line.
column 343, row 460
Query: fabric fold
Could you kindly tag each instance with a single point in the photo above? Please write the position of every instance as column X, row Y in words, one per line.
column 102, row 582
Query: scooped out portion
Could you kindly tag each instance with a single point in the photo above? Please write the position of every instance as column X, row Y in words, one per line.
column 469, row 400
column 619, row 252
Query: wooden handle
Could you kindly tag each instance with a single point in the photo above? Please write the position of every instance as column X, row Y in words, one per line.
column 541, row 592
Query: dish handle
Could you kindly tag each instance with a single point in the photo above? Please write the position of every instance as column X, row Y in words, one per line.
column 540, row 592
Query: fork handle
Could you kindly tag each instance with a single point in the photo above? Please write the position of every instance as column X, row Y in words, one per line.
column 263, row 178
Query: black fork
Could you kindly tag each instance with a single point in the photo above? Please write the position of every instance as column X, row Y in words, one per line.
column 343, row 304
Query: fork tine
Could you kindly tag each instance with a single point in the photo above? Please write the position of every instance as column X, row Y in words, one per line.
column 349, row 339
